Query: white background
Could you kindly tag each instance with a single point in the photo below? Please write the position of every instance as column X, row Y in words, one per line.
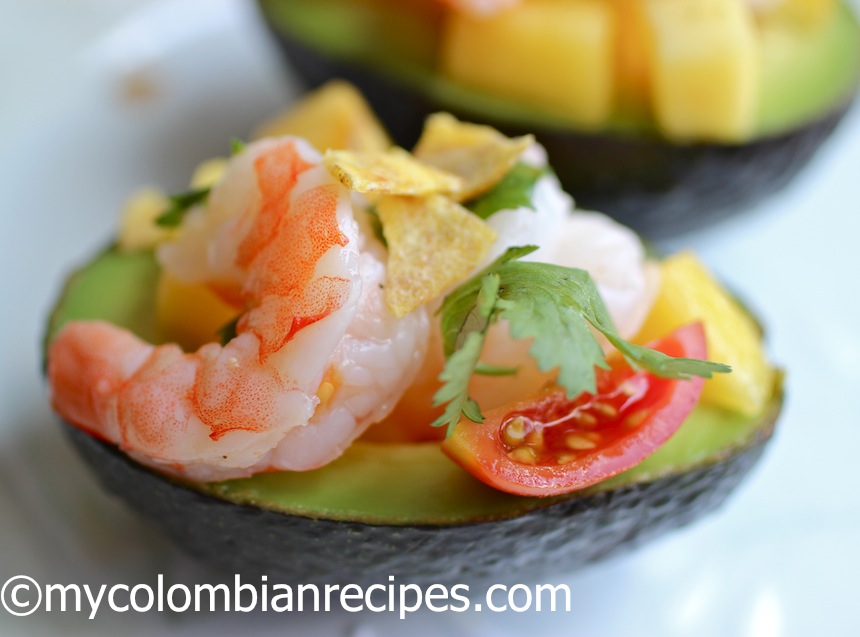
column 781, row 559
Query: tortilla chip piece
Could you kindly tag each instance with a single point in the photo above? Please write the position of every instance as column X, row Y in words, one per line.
column 481, row 155
column 334, row 116
column 433, row 243
column 393, row 172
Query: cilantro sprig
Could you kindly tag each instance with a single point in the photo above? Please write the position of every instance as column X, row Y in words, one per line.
column 554, row 306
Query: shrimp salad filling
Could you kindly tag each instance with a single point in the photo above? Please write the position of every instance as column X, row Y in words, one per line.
column 453, row 293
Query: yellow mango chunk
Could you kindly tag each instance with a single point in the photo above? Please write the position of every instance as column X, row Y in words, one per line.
column 480, row 155
column 558, row 56
column 689, row 293
column 433, row 243
column 190, row 315
column 391, row 172
column 801, row 13
column 704, row 60
column 138, row 230
column 335, row 116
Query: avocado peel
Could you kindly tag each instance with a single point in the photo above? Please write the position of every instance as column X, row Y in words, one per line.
column 403, row 509
column 626, row 169
column 562, row 536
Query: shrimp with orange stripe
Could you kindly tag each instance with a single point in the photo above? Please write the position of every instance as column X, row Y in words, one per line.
column 317, row 356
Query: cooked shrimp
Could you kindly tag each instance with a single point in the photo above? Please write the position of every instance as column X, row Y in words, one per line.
column 376, row 360
column 278, row 237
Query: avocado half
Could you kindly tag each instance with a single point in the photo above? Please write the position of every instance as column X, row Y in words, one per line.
column 627, row 169
column 402, row 509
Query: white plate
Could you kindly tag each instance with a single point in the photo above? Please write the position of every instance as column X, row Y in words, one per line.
column 780, row 559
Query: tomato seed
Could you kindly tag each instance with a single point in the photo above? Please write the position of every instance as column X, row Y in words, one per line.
column 605, row 409
column 635, row 419
column 514, row 432
column 523, row 455
column 578, row 442
column 565, row 458
column 586, row 419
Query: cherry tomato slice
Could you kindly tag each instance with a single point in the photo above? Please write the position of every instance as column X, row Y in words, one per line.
column 549, row 444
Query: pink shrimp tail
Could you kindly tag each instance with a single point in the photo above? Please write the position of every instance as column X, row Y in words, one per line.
column 87, row 366
column 174, row 408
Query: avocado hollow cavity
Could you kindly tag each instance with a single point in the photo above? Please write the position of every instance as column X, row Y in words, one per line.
column 623, row 166
column 397, row 485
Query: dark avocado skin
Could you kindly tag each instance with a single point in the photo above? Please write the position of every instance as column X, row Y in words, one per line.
column 460, row 535
column 561, row 537
column 658, row 188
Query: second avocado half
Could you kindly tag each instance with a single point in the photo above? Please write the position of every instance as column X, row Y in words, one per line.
column 628, row 164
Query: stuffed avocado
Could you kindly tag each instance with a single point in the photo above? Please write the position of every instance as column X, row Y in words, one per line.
column 665, row 114
column 194, row 401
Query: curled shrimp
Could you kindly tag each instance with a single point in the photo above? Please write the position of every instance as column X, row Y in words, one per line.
column 316, row 358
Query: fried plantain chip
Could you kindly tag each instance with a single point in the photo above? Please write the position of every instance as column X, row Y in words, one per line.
column 433, row 243
column 334, row 116
column 392, row 172
column 481, row 155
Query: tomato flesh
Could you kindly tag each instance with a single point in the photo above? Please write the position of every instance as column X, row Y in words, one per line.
column 549, row 444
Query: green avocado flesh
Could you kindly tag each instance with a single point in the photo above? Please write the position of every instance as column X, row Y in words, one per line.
column 374, row 482
column 805, row 74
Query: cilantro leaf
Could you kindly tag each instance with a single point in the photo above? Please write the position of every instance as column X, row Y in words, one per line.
column 556, row 307
column 180, row 204
column 461, row 363
column 513, row 191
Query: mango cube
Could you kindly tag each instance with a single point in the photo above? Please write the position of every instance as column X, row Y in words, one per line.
column 704, row 62
column 555, row 55
column 190, row 315
column 802, row 13
column 688, row 293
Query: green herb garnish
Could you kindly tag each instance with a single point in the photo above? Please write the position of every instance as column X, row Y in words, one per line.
column 236, row 146
column 376, row 224
column 462, row 360
column 180, row 205
column 552, row 305
column 513, row 191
